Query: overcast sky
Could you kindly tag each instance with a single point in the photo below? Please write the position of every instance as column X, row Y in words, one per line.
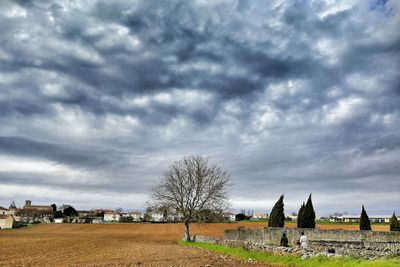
column 97, row 98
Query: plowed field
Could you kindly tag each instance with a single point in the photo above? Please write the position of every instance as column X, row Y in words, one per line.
column 108, row 245
column 114, row 245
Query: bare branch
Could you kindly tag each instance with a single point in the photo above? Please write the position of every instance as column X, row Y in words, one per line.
column 191, row 185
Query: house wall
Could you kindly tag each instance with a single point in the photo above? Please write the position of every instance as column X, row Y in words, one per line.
column 111, row 217
column 6, row 223
column 135, row 217
column 373, row 219
column 157, row 217
column 6, row 212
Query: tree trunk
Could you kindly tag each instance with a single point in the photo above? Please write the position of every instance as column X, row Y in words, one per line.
column 187, row 233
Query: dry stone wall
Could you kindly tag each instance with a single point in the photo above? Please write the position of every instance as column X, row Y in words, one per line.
column 273, row 235
column 367, row 244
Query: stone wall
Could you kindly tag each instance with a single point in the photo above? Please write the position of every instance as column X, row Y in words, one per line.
column 319, row 248
column 273, row 235
column 353, row 243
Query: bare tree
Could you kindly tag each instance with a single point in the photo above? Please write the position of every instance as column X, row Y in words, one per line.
column 191, row 185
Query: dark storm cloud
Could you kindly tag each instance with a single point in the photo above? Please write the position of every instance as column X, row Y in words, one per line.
column 84, row 157
column 291, row 97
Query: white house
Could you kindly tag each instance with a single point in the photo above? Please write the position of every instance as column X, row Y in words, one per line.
column 111, row 217
column 136, row 216
column 372, row 218
column 335, row 219
column 157, row 217
column 174, row 216
column 259, row 216
column 229, row 216
column 4, row 211
column 58, row 220
column 6, row 221
column 97, row 220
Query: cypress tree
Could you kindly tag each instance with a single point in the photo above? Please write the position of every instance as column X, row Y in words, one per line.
column 300, row 216
column 309, row 215
column 364, row 220
column 277, row 216
column 394, row 223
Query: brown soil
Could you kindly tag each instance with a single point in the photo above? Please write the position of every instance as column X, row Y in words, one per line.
column 108, row 245
column 117, row 245
column 354, row 227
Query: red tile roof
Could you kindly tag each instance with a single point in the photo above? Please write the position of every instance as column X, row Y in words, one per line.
column 2, row 208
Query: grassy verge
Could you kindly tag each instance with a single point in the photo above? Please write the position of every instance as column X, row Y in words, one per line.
column 292, row 260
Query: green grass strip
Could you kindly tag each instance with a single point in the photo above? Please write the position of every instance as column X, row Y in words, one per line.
column 292, row 260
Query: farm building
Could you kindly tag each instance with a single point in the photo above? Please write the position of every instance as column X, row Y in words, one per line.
column 58, row 220
column 97, row 220
column 136, row 215
column 98, row 211
column 372, row 218
column 112, row 216
column 6, row 221
column 229, row 216
column 259, row 216
column 174, row 216
column 43, row 209
column 157, row 217
column 4, row 211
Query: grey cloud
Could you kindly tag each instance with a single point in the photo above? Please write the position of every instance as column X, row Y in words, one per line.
column 290, row 97
column 61, row 153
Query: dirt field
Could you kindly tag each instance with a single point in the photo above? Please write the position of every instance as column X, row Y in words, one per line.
column 108, row 245
column 115, row 245
column 379, row 228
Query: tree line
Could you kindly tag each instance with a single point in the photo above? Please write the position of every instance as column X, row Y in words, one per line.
column 306, row 216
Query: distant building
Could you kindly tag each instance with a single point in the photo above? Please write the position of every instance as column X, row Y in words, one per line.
column 43, row 209
column 372, row 218
column 59, row 220
column 135, row 215
column 334, row 218
column 101, row 211
column 97, row 220
column 4, row 211
column 260, row 216
column 6, row 221
column 157, row 217
column 85, row 213
column 174, row 216
column 229, row 216
column 112, row 216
